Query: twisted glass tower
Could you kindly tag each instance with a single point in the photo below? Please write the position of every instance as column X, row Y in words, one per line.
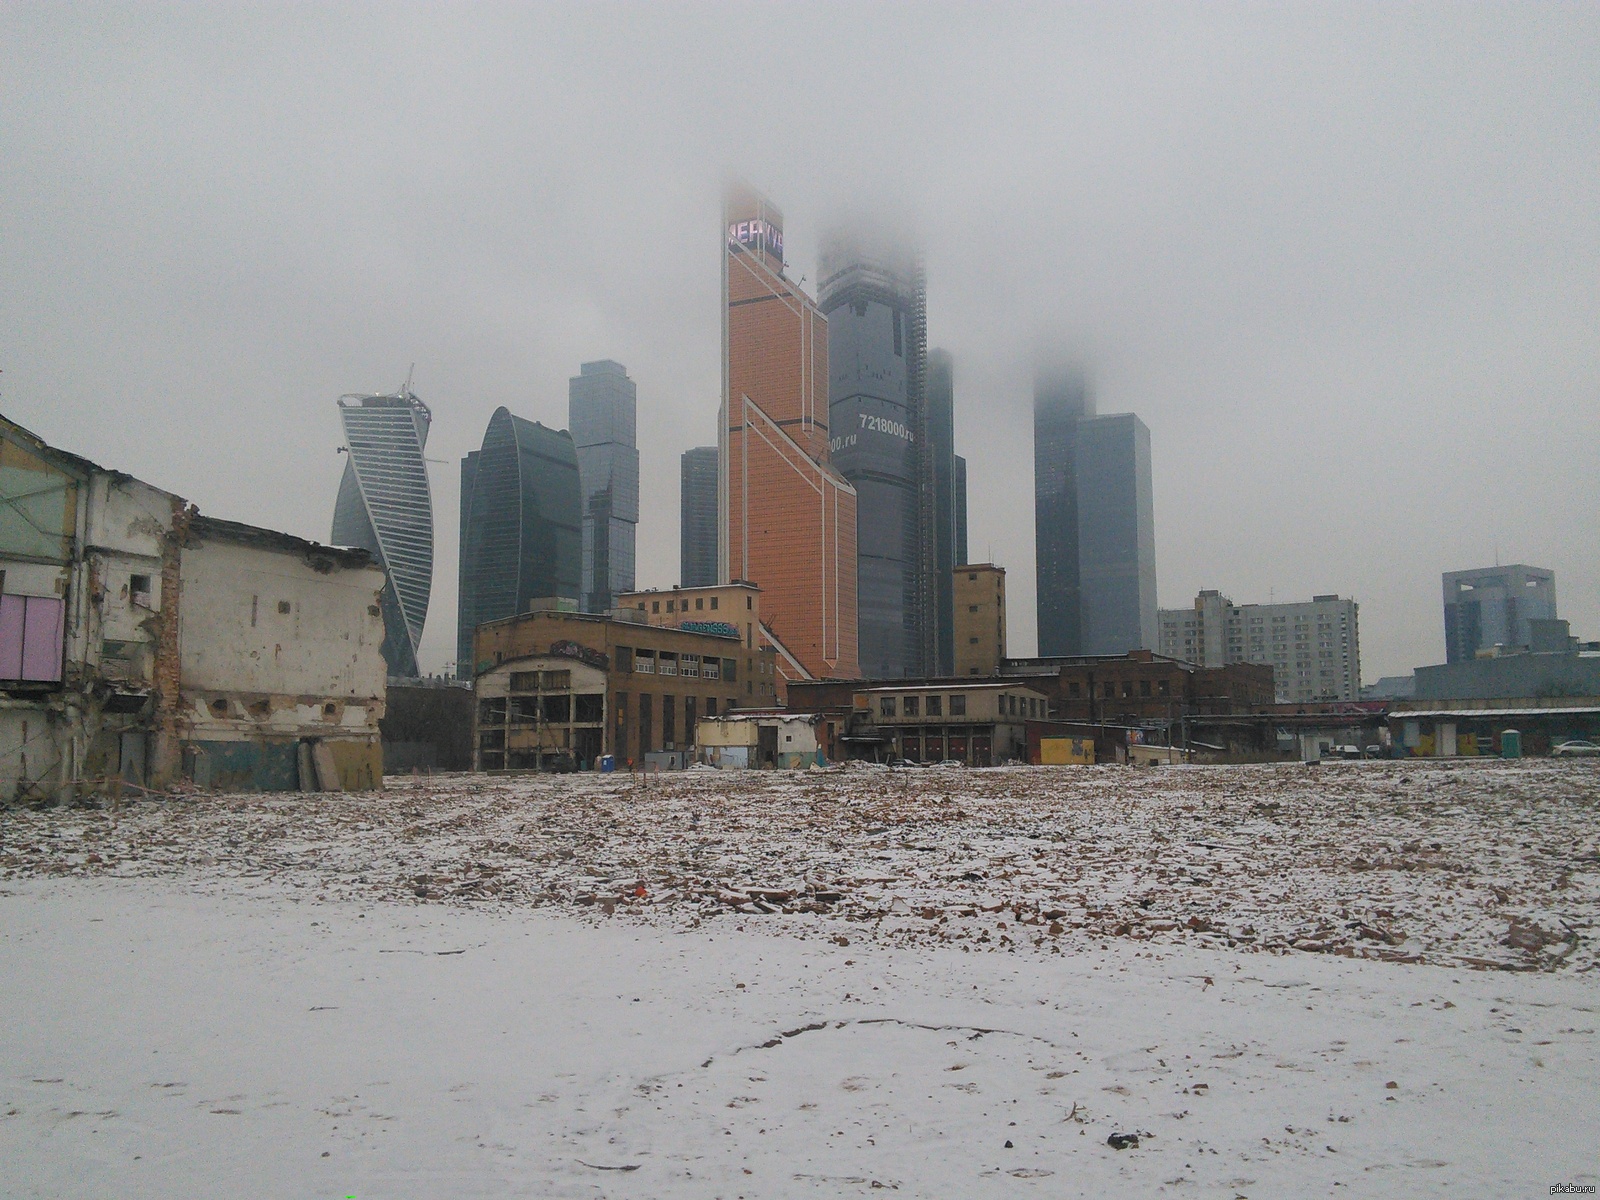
column 385, row 507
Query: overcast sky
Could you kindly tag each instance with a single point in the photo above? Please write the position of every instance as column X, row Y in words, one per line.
column 1343, row 260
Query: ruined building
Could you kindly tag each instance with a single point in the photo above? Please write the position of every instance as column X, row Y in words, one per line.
column 143, row 644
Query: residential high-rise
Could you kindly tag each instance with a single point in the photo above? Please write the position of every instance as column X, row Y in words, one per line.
column 942, row 445
column 1094, row 523
column 385, row 507
column 521, row 526
column 979, row 595
column 873, row 295
column 1314, row 649
column 788, row 517
column 697, row 542
column 1492, row 606
column 602, row 408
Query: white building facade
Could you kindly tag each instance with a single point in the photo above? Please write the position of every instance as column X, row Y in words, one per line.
column 1313, row 648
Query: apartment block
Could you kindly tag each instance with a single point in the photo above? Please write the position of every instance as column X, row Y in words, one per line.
column 1314, row 649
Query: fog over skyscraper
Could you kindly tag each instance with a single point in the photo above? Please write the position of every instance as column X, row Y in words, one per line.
column 947, row 517
column 873, row 294
column 602, row 415
column 1094, row 522
column 386, row 508
column 1060, row 399
column 787, row 516
column 697, row 544
column 521, row 525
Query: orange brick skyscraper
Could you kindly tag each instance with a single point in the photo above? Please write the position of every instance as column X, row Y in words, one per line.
column 788, row 518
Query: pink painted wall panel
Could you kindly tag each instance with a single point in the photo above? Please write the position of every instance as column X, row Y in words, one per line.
column 43, row 626
column 12, row 609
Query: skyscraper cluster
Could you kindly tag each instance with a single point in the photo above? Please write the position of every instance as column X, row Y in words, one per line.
column 834, row 487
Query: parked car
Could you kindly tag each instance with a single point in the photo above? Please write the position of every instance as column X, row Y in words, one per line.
column 949, row 762
column 1576, row 749
column 903, row 762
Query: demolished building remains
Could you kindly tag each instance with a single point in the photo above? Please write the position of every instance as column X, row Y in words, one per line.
column 143, row 644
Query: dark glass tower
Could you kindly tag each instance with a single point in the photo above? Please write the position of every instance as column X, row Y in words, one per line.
column 1094, row 522
column 961, row 512
column 521, row 525
column 875, row 300
column 1060, row 399
column 385, row 507
column 1116, row 536
column 602, row 411
column 697, row 545
column 942, row 448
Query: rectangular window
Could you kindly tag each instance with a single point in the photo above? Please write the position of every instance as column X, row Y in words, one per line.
column 625, row 659
column 1127, row 687
column 620, row 746
column 1164, row 687
column 1144, row 687
column 730, row 670
column 688, row 721
column 555, row 681
column 667, row 662
column 886, row 706
column 711, row 668
column 936, row 706
column 669, row 722
column 713, row 604
column 139, row 589
column 644, row 662
column 524, row 681
column 958, row 706
column 690, row 665
column 669, row 605
column 646, row 734
column 1109, row 690
column 912, row 706
column 1074, row 690
column 491, row 712
column 699, row 603
column 711, row 706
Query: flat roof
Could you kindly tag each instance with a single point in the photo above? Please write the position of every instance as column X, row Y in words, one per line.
column 1402, row 714
column 952, row 685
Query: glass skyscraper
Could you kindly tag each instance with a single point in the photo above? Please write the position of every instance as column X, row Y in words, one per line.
column 602, row 412
column 874, row 297
column 697, row 546
column 942, row 447
column 385, row 507
column 521, row 526
column 1094, row 523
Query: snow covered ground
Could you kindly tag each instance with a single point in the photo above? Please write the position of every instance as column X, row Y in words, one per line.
column 829, row 984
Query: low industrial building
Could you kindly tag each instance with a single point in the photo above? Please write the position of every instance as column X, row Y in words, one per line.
column 770, row 738
column 427, row 725
column 977, row 723
column 1468, row 727
column 561, row 690
column 143, row 644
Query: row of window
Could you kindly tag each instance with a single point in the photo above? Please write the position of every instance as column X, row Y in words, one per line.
column 1108, row 688
column 913, row 706
column 682, row 604
column 670, row 662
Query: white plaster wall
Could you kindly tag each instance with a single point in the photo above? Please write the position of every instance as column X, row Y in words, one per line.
column 233, row 638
